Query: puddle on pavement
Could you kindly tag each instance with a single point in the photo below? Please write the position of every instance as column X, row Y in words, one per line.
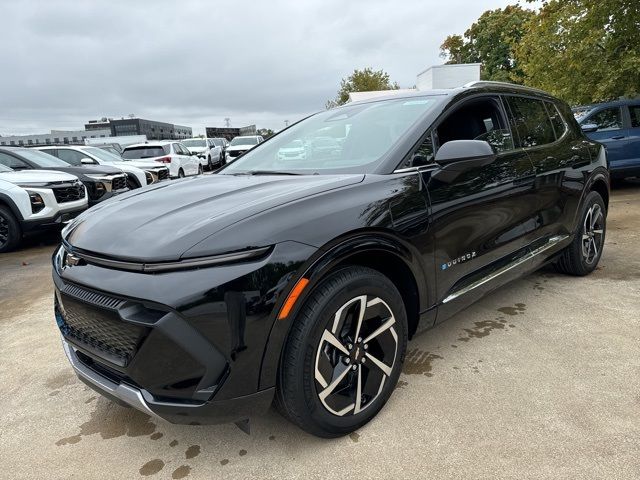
column 62, row 379
column 192, row 452
column 151, row 467
column 519, row 308
column 401, row 384
column 482, row 329
column 419, row 362
column 112, row 421
column 181, row 472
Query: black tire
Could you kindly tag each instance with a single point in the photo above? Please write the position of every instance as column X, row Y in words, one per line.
column 200, row 169
column 581, row 257
column 10, row 232
column 180, row 173
column 299, row 391
column 209, row 164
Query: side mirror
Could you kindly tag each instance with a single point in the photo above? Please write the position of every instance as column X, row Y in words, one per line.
column 87, row 161
column 589, row 127
column 461, row 150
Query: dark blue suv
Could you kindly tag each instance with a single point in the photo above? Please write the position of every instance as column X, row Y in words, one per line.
column 617, row 126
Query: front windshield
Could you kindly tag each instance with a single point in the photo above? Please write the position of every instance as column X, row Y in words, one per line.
column 41, row 159
column 244, row 141
column 351, row 138
column 102, row 154
column 194, row 142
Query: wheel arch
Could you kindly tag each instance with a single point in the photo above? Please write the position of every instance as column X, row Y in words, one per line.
column 8, row 202
column 380, row 251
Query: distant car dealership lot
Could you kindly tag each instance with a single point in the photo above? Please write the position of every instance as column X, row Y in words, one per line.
column 522, row 378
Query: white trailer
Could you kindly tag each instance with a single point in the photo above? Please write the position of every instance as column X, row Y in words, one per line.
column 123, row 141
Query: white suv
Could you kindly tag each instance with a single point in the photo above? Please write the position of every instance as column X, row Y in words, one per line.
column 32, row 200
column 138, row 175
column 211, row 155
column 172, row 153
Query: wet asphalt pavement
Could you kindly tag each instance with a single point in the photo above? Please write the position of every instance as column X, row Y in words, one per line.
column 541, row 379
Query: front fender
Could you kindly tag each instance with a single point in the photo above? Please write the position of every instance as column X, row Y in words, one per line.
column 318, row 266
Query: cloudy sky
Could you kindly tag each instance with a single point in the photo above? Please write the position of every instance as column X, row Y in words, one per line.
column 196, row 62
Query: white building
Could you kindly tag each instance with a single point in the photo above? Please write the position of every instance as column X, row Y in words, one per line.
column 433, row 78
column 55, row 137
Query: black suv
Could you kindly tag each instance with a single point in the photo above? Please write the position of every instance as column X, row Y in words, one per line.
column 301, row 278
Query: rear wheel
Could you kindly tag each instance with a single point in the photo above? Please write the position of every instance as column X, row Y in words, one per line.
column 209, row 164
column 180, row 173
column 10, row 232
column 200, row 169
column 344, row 354
column 583, row 254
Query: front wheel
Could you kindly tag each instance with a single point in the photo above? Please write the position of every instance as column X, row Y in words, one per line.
column 200, row 170
column 344, row 354
column 180, row 173
column 10, row 232
column 583, row 254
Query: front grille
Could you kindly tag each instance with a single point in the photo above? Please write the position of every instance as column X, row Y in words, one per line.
column 119, row 182
column 96, row 326
column 163, row 174
column 234, row 153
column 69, row 193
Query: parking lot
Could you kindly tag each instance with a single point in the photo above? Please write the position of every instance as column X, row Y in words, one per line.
column 539, row 379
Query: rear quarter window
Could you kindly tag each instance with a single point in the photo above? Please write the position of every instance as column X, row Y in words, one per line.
column 559, row 125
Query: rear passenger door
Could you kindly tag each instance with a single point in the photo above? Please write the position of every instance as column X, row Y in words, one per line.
column 554, row 149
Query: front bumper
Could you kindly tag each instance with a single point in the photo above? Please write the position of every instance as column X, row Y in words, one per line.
column 56, row 221
column 188, row 346
column 130, row 396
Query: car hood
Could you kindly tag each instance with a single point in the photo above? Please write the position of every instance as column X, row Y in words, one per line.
column 239, row 147
column 162, row 222
column 36, row 176
column 89, row 170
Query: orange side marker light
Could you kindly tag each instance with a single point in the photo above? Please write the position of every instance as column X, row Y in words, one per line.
column 292, row 298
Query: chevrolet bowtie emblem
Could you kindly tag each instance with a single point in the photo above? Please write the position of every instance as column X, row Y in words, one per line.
column 71, row 260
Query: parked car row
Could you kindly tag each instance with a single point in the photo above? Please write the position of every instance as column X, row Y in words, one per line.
column 46, row 187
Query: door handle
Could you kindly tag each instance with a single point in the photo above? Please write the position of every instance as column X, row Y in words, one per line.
column 618, row 137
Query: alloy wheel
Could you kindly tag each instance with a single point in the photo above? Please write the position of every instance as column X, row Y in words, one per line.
column 592, row 234
column 356, row 355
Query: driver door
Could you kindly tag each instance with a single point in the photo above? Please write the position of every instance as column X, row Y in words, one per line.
column 478, row 210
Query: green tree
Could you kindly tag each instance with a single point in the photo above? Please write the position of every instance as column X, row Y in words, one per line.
column 583, row 50
column 492, row 41
column 265, row 132
column 365, row 80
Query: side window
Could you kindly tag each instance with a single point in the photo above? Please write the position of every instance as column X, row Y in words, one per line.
column 477, row 119
column 556, row 119
column 530, row 121
column 607, row 119
column 70, row 156
column 12, row 162
column 176, row 149
column 634, row 111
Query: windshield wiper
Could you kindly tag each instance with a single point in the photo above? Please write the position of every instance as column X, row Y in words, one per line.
column 266, row 172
